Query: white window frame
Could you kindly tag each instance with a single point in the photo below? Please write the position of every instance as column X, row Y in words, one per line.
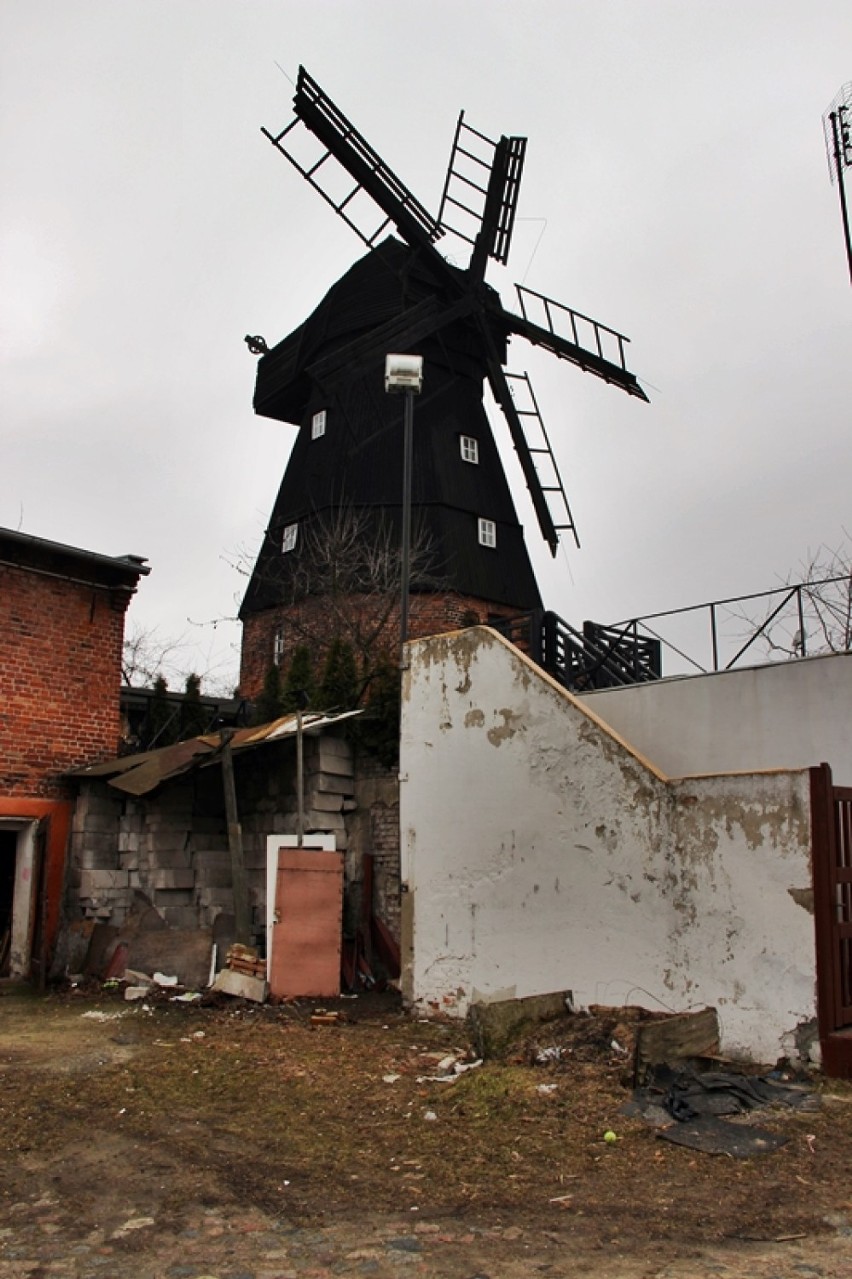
column 469, row 447
column 487, row 533
column 278, row 646
column 318, row 422
column 289, row 538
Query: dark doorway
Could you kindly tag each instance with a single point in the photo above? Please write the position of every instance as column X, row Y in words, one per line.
column 8, row 854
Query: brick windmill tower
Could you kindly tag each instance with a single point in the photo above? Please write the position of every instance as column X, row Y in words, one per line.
column 331, row 546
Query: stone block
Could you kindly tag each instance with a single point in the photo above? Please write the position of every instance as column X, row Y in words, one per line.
column 95, row 882
column 89, row 858
column 98, row 823
column 180, row 878
column 331, row 802
column 165, row 840
column 173, row 897
column 332, row 755
column 331, row 783
column 241, row 986
column 102, row 841
column 213, row 876
column 170, row 858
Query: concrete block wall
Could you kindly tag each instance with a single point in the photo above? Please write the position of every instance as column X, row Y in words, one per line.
column 172, row 846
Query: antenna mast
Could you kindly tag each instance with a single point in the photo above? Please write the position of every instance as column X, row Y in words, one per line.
column 837, row 126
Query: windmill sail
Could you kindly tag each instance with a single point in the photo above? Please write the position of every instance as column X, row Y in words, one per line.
column 595, row 347
column 345, row 145
column 544, row 459
column 326, row 376
column 481, row 193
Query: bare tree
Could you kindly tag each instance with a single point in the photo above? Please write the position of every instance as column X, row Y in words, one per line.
column 343, row 581
column 146, row 654
column 811, row 611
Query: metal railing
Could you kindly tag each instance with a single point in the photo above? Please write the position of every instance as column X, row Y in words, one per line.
column 793, row 620
column 596, row 657
column 789, row 621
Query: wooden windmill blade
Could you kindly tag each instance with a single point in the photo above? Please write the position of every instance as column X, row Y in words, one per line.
column 350, row 150
column 502, row 393
column 544, row 459
column 325, row 376
column 571, row 335
column 480, row 196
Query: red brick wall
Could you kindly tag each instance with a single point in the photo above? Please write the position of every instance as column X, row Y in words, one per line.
column 60, row 675
column 314, row 622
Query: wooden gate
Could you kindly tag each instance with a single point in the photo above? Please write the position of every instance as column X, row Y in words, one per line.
column 832, row 874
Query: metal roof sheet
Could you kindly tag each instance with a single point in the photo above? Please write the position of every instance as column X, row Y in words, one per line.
column 140, row 774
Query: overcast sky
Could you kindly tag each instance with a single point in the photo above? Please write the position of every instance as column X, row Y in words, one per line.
column 675, row 166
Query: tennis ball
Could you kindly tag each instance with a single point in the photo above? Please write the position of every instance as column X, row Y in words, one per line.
column 610, row 1137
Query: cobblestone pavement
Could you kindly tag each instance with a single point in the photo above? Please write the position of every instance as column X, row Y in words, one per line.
column 212, row 1244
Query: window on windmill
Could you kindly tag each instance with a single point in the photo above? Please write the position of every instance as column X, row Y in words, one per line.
column 469, row 449
column 288, row 538
column 278, row 646
column 487, row 533
column 318, row 424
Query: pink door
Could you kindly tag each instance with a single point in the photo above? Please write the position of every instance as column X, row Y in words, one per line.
column 307, row 933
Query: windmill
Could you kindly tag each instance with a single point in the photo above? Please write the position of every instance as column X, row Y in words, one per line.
column 405, row 296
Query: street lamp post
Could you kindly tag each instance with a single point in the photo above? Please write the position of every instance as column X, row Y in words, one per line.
column 404, row 375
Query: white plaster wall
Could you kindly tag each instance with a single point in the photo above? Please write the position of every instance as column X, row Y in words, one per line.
column 540, row 853
column 786, row 715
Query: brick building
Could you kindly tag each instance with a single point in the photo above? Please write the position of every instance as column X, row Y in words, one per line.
column 271, row 634
column 61, row 631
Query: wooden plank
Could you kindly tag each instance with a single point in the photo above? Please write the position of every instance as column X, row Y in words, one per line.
column 242, row 914
column 385, row 946
column 676, row 1038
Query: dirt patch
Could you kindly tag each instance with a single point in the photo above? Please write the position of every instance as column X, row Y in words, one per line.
column 161, row 1109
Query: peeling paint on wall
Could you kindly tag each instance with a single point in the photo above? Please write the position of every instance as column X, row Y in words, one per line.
column 803, row 897
column 512, row 723
column 585, row 869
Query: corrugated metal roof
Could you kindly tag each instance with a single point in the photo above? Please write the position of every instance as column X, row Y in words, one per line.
column 140, row 774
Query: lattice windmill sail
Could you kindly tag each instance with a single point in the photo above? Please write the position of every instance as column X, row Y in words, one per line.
column 403, row 296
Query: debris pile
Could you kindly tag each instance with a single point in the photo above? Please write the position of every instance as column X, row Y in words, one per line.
column 244, row 975
column 244, row 959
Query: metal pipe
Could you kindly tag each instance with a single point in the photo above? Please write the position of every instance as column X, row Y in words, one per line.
column 407, row 467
